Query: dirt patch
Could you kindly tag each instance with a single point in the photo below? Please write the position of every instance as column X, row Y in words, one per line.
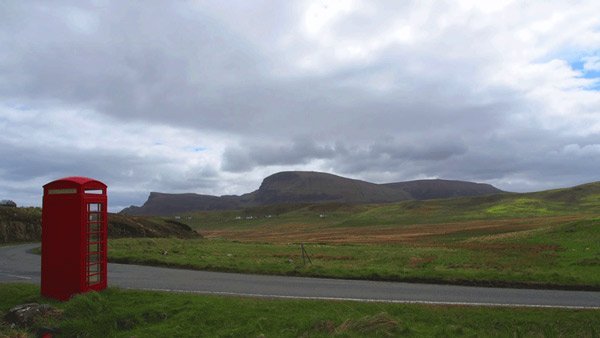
column 414, row 234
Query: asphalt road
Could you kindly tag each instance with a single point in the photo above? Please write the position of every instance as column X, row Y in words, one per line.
column 17, row 265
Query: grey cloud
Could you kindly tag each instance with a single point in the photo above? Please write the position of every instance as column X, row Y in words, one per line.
column 128, row 176
column 159, row 63
column 301, row 151
column 153, row 62
column 517, row 156
column 407, row 111
column 385, row 153
column 426, row 151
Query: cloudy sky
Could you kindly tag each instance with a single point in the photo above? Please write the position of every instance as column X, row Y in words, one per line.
column 212, row 96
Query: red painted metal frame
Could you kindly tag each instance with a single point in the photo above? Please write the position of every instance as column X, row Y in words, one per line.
column 65, row 236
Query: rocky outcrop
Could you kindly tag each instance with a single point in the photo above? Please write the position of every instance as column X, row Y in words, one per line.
column 26, row 315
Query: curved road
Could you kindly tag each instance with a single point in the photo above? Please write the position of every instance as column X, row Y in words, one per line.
column 16, row 264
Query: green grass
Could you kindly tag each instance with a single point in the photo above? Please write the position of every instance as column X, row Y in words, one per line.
column 565, row 255
column 128, row 313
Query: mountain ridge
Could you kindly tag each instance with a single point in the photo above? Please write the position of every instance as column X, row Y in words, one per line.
column 310, row 187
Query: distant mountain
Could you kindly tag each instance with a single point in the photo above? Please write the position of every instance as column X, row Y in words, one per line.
column 315, row 187
column 293, row 187
column 168, row 204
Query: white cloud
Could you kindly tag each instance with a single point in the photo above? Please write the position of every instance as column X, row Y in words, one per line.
column 202, row 97
column 592, row 63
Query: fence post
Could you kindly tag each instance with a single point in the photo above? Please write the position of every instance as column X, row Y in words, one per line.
column 305, row 255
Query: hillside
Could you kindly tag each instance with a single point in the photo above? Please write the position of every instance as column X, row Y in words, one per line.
column 294, row 187
column 433, row 189
column 25, row 225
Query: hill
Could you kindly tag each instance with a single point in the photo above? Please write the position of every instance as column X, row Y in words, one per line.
column 25, row 225
column 315, row 187
column 433, row 189
column 307, row 187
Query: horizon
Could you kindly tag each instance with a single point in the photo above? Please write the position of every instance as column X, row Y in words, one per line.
column 205, row 98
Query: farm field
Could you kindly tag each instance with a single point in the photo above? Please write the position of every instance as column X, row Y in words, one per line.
column 127, row 313
column 546, row 239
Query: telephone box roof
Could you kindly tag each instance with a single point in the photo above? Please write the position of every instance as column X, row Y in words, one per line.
column 76, row 180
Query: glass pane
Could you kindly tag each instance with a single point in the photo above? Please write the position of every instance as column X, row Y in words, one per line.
column 93, row 258
column 93, row 237
column 94, row 268
column 94, row 207
column 93, row 279
column 62, row 191
column 94, row 217
column 93, row 227
column 94, row 247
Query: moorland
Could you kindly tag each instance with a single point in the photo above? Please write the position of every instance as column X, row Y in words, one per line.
column 543, row 239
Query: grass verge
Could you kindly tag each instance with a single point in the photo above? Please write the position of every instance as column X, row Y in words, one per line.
column 129, row 313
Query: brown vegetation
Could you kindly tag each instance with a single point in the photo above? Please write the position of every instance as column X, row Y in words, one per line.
column 420, row 233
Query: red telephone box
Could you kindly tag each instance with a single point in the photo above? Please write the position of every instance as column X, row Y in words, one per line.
column 74, row 233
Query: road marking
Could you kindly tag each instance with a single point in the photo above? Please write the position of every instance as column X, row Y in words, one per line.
column 370, row 300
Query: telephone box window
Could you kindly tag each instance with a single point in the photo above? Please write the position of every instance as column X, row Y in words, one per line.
column 94, row 217
column 94, row 237
column 94, row 242
column 94, row 247
column 62, row 191
column 93, row 258
column 93, row 279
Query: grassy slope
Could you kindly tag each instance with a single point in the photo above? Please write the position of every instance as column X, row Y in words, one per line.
column 121, row 313
column 547, row 239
